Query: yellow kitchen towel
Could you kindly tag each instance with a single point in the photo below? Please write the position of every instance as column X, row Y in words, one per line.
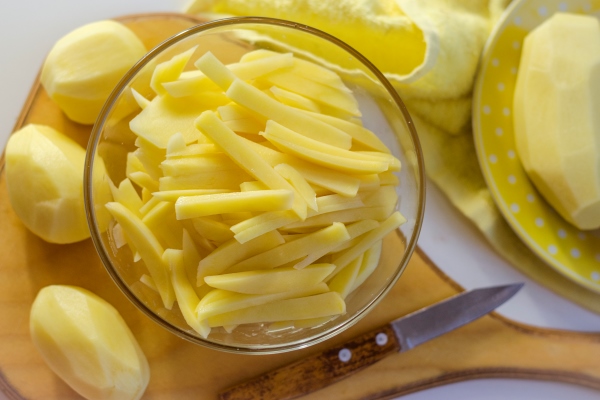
column 429, row 50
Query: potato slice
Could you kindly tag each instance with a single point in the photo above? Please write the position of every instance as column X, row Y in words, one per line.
column 253, row 227
column 270, row 281
column 299, row 183
column 369, row 263
column 44, row 177
column 320, row 305
column 85, row 341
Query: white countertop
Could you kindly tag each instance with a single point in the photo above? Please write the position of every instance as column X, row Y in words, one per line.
column 30, row 28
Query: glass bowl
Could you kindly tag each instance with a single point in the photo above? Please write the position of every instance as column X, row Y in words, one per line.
column 228, row 39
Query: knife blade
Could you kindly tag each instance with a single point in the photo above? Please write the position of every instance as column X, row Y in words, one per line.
column 322, row 369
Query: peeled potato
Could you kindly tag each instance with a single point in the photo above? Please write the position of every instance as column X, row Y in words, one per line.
column 84, row 66
column 44, row 175
column 557, row 129
column 84, row 340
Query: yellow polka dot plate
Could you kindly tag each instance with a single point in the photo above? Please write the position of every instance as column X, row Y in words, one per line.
column 573, row 253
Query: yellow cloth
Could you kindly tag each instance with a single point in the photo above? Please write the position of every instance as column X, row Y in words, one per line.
column 429, row 50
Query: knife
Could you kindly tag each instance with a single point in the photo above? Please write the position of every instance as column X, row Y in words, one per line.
column 322, row 369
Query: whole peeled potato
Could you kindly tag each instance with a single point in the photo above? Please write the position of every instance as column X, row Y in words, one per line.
column 85, row 65
column 44, row 176
column 85, row 341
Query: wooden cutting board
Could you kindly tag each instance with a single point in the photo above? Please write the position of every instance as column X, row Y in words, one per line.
column 492, row 346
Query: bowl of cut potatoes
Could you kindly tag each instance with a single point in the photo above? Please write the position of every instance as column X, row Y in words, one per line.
column 254, row 185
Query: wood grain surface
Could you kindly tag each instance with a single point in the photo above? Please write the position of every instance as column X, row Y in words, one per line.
column 492, row 346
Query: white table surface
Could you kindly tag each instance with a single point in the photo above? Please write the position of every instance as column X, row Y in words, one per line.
column 28, row 30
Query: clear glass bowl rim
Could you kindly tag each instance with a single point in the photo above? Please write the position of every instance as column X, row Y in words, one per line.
column 96, row 134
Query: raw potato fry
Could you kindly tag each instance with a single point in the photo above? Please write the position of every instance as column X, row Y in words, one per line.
column 150, row 250
column 251, row 228
column 186, row 296
column 271, row 281
column 321, row 305
column 230, row 157
column 220, row 301
column 245, row 157
column 232, row 252
column 291, row 251
column 212, row 204
column 169, row 70
column 250, row 97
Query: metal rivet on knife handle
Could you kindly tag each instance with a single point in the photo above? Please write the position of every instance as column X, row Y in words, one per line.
column 319, row 370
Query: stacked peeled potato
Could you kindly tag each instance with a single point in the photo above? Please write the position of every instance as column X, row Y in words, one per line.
column 254, row 194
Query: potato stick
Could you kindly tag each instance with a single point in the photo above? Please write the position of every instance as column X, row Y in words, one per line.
column 127, row 195
column 212, row 230
column 210, row 66
column 393, row 162
column 143, row 180
column 195, row 149
column 359, row 134
column 354, row 230
column 149, row 248
column 383, row 196
column 368, row 181
column 197, row 165
column 254, row 99
column 232, row 252
column 297, row 181
column 208, row 180
column 306, row 69
column 187, row 299
column 246, row 125
column 388, row 178
column 294, row 99
column 367, row 241
column 246, row 157
column 337, row 182
column 161, row 220
column 335, row 202
column 211, row 204
column 294, row 250
column 173, row 195
column 252, row 185
column 343, row 216
column 222, row 301
column 149, row 205
column 275, row 129
column 192, row 83
column 259, row 225
column 370, row 261
column 191, row 258
column 169, row 70
column 271, row 280
column 343, row 281
column 322, row 94
column 320, row 305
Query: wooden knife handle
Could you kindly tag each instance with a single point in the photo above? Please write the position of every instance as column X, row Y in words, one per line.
column 319, row 370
